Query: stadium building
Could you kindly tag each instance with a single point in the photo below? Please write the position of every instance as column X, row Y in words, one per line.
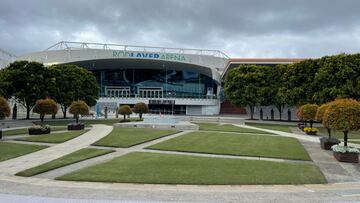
column 169, row 80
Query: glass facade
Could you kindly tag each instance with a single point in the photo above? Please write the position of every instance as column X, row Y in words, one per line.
column 153, row 83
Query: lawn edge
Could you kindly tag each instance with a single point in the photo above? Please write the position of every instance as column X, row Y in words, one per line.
column 107, row 152
column 116, row 146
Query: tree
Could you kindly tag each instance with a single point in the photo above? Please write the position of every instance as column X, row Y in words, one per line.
column 73, row 83
column 299, row 87
column 140, row 108
column 307, row 112
column 27, row 82
column 247, row 85
column 320, row 115
column 45, row 106
column 343, row 115
column 276, row 83
column 338, row 77
column 78, row 108
column 125, row 110
column 5, row 110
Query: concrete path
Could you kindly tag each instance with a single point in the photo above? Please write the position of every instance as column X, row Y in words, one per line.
column 333, row 170
column 21, row 163
column 285, row 134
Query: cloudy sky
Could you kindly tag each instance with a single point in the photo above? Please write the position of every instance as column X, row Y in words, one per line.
column 240, row 28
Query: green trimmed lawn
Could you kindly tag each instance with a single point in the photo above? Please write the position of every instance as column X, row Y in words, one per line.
column 156, row 168
column 24, row 131
column 339, row 134
column 12, row 150
column 54, row 137
column 278, row 127
column 227, row 128
column 127, row 137
column 236, row 144
column 72, row 158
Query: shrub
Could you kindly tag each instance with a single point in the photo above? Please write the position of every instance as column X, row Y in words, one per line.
column 140, row 108
column 78, row 108
column 343, row 115
column 125, row 110
column 45, row 106
column 311, row 131
column 344, row 149
column 39, row 129
column 307, row 112
column 319, row 117
column 5, row 110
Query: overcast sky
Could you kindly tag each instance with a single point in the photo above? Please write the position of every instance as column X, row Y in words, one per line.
column 240, row 28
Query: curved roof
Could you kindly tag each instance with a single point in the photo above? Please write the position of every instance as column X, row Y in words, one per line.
column 81, row 52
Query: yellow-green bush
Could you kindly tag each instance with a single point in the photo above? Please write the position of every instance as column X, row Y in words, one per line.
column 44, row 107
column 307, row 112
column 343, row 115
column 5, row 110
column 79, row 108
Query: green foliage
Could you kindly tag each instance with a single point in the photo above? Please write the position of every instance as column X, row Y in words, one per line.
column 338, row 77
column 125, row 110
column 45, row 106
column 344, row 115
column 78, row 108
column 5, row 110
column 73, row 83
column 298, row 87
column 140, row 108
column 27, row 81
column 248, row 85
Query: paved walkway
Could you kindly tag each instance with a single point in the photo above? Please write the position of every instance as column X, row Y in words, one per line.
column 21, row 163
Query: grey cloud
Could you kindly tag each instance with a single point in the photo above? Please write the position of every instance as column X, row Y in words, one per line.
column 247, row 28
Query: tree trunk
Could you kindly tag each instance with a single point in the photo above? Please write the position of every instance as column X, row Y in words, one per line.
column 251, row 112
column 329, row 132
column 77, row 119
column 140, row 115
column 64, row 109
column 28, row 109
column 345, row 138
column 124, row 117
column 42, row 118
column 311, row 123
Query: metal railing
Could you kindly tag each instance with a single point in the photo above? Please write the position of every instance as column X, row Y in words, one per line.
column 68, row 45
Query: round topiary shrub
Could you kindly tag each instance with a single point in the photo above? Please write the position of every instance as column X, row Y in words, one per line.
column 343, row 115
column 5, row 110
column 125, row 110
column 140, row 108
column 325, row 142
column 78, row 108
column 45, row 107
column 307, row 112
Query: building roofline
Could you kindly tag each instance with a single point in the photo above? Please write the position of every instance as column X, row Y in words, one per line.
column 264, row 60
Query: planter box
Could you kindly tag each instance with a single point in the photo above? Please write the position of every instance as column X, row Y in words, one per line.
column 348, row 157
column 74, row 126
column 327, row 144
column 39, row 131
column 312, row 133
